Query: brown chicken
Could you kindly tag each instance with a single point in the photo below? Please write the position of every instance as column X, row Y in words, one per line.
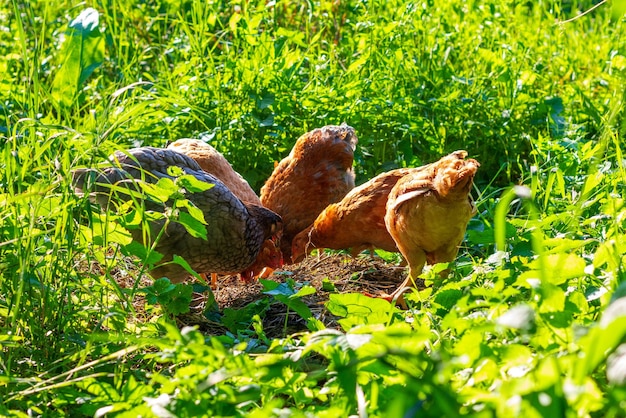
column 316, row 173
column 356, row 222
column 428, row 211
column 235, row 230
column 213, row 162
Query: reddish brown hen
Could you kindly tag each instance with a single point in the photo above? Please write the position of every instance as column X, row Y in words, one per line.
column 356, row 222
column 213, row 162
column 316, row 173
column 428, row 211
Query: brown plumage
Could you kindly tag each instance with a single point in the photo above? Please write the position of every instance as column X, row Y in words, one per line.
column 213, row 162
column 235, row 230
column 428, row 211
column 316, row 173
column 356, row 222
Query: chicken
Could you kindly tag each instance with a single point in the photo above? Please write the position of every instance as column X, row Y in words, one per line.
column 213, row 162
column 316, row 173
column 428, row 211
column 356, row 222
column 235, row 230
column 269, row 259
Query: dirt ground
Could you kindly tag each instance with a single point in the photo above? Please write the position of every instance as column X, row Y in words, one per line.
column 364, row 274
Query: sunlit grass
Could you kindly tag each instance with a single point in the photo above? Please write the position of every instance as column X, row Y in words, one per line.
column 538, row 102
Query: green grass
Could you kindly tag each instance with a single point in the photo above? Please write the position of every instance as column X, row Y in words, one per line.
column 514, row 330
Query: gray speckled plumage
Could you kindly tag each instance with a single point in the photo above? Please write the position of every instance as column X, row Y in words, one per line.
column 235, row 230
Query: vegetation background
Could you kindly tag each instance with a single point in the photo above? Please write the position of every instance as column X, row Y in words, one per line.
column 524, row 327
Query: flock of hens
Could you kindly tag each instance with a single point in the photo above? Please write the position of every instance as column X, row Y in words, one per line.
column 309, row 202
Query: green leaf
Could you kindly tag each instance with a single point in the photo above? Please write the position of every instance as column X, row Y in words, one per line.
column 327, row 285
column 192, row 184
column 285, row 293
column 266, row 101
column 139, row 250
column 105, row 230
column 296, row 305
column 162, row 190
column 193, row 210
column 195, row 228
column 178, row 300
column 304, row 291
column 275, row 288
column 561, row 267
column 161, row 286
column 239, row 319
column 184, row 264
column 81, row 54
column 359, row 309
column 175, row 171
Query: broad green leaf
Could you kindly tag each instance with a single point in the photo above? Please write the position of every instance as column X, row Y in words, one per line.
column 193, row 210
column 610, row 253
column 194, row 227
column 483, row 234
column 183, row 263
column 105, row 230
column 552, row 298
column 82, row 52
column 266, row 101
column 162, row 285
column 162, row 190
column 304, row 291
column 296, row 305
column 139, row 250
column 447, row 298
column 274, row 288
column 358, row 309
column 561, row 267
column 99, row 389
column 178, row 300
column 192, row 184
column 238, row 319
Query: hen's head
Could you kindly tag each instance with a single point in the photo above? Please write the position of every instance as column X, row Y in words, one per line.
column 270, row 257
column 328, row 143
column 454, row 174
column 301, row 245
column 270, row 222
